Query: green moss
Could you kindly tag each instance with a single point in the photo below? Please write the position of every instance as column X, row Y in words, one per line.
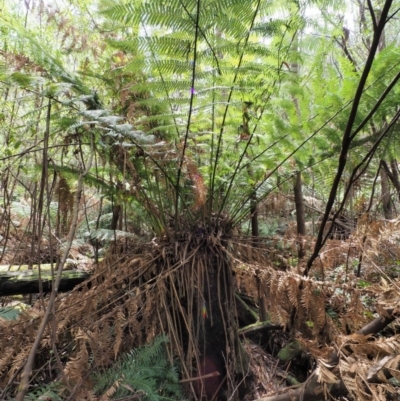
column 289, row 352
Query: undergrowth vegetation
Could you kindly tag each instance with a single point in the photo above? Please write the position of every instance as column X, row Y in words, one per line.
column 224, row 175
column 146, row 372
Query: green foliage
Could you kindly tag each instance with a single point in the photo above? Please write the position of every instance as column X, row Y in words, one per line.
column 190, row 108
column 137, row 99
column 49, row 392
column 203, row 64
column 21, row 209
column 9, row 313
column 144, row 371
column 106, row 235
column 290, row 351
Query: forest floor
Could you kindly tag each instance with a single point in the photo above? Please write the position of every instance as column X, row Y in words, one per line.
column 352, row 283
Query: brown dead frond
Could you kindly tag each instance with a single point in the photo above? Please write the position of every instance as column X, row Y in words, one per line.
column 372, row 370
column 65, row 201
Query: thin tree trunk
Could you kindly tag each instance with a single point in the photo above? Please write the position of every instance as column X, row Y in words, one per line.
column 392, row 174
column 116, row 216
column 255, row 232
column 116, row 222
column 254, row 218
column 298, row 198
column 395, row 175
column 386, row 200
column 298, row 190
column 300, row 215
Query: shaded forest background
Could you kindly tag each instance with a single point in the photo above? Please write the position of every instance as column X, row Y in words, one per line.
column 199, row 200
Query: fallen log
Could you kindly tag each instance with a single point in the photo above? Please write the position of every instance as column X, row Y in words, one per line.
column 312, row 389
column 259, row 327
column 27, row 282
column 25, row 267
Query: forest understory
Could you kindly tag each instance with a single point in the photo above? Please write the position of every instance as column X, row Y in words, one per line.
column 331, row 334
column 199, row 200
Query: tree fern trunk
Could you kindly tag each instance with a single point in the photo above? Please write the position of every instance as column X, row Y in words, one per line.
column 206, row 334
column 219, row 346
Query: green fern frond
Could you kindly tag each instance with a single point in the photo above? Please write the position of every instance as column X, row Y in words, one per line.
column 171, row 86
column 3, row 70
column 21, row 209
column 9, row 313
column 49, row 392
column 103, row 234
column 124, row 13
column 22, row 79
column 146, row 370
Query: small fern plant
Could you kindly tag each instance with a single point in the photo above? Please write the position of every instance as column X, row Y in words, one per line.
column 145, row 372
column 48, row 392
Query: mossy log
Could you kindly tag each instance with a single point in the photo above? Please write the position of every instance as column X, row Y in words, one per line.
column 290, row 352
column 259, row 327
column 19, row 268
column 27, row 282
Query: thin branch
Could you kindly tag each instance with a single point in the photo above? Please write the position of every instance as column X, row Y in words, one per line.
column 376, row 106
column 343, row 45
column 259, row 326
column 31, row 149
column 191, row 379
column 392, row 15
column 372, row 13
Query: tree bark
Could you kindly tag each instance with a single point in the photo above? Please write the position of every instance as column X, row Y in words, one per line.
column 116, row 214
column 392, row 174
column 300, row 215
column 254, row 218
column 298, row 197
column 395, row 172
column 386, row 200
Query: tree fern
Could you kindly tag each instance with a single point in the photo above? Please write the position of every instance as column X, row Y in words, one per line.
column 229, row 59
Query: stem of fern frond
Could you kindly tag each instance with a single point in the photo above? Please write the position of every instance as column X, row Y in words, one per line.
column 224, row 117
column 192, row 93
